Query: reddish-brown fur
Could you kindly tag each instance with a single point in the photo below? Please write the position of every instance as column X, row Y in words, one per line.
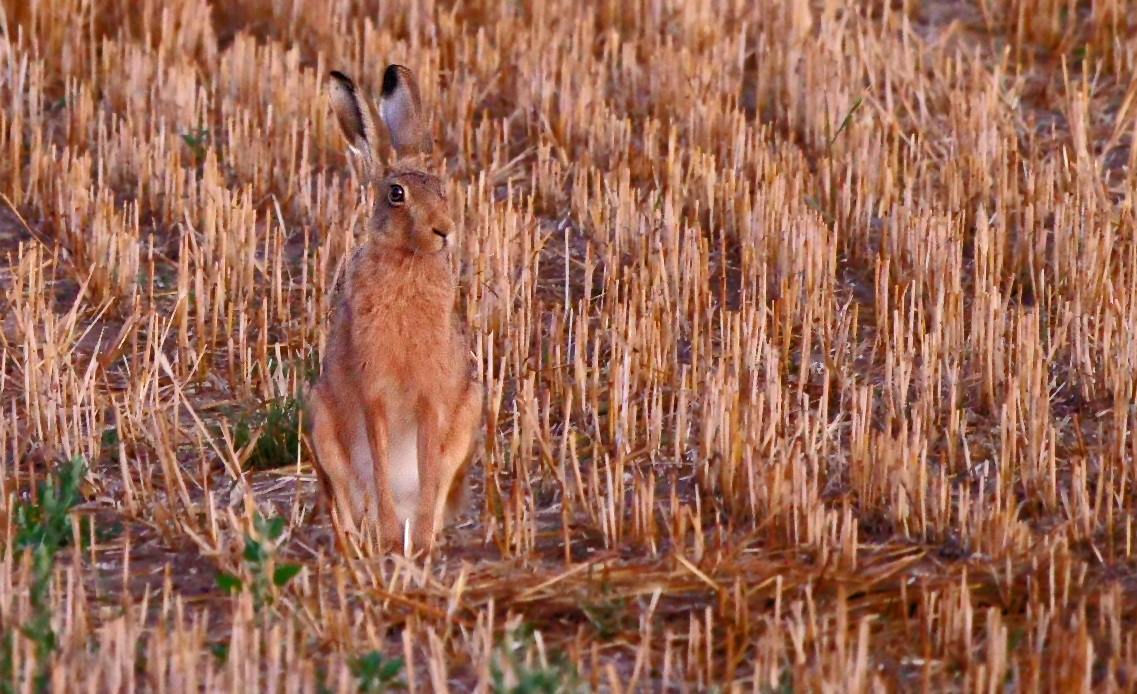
column 395, row 397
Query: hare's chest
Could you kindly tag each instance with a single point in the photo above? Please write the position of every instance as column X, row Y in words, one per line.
column 404, row 353
column 399, row 321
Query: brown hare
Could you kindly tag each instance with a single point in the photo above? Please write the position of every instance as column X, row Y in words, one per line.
column 395, row 411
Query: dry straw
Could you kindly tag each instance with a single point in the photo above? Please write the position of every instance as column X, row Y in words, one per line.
column 807, row 334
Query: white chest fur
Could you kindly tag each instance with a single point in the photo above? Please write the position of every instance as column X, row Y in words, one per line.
column 402, row 463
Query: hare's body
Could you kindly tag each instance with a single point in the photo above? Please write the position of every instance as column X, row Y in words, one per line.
column 395, row 411
column 399, row 347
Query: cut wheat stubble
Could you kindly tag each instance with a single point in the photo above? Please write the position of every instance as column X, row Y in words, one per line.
column 782, row 393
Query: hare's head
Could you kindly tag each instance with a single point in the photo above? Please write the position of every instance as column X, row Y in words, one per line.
column 410, row 209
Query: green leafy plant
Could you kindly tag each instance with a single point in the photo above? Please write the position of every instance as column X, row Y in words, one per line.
column 43, row 525
column 264, row 575
column 273, row 428
column 109, row 443
column 510, row 675
column 274, row 432
column 785, row 684
column 607, row 613
column 825, row 204
column 376, row 674
column 198, row 142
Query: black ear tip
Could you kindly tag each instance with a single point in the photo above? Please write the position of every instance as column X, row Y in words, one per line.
column 342, row 78
column 390, row 80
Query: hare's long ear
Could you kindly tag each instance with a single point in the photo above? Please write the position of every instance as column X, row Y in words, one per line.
column 400, row 106
column 355, row 120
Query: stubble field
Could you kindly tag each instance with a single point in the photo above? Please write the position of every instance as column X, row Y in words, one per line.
column 807, row 330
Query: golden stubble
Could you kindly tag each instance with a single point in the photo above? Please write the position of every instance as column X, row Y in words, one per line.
column 805, row 331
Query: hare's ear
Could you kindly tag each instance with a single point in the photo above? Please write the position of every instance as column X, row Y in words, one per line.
column 401, row 107
column 355, row 120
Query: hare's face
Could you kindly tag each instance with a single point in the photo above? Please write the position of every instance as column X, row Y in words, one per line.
column 410, row 210
column 411, row 213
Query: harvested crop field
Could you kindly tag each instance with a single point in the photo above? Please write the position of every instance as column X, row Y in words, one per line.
column 806, row 328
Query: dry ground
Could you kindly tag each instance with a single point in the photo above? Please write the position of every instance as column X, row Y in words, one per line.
column 807, row 329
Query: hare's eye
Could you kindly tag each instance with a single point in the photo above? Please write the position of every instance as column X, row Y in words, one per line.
column 396, row 195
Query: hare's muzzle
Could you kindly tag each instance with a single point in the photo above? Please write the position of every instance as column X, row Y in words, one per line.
column 442, row 232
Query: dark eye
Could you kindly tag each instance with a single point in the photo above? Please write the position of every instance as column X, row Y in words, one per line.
column 396, row 195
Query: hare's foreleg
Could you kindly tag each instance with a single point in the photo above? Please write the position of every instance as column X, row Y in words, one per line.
column 333, row 466
column 429, row 415
column 457, row 451
column 390, row 534
column 446, row 434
